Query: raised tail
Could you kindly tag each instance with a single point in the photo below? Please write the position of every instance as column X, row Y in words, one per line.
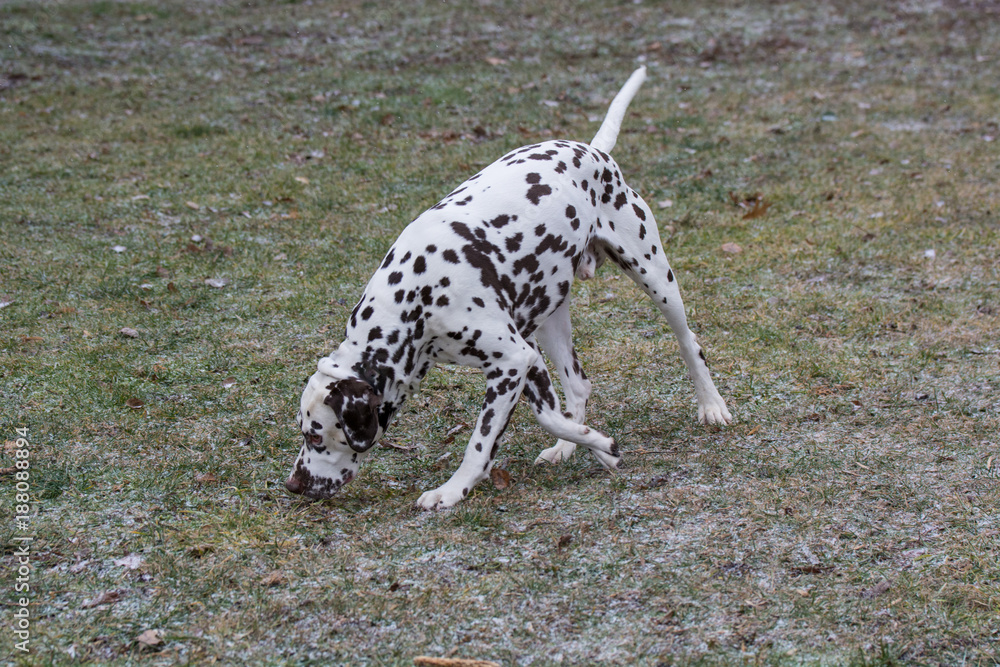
column 606, row 137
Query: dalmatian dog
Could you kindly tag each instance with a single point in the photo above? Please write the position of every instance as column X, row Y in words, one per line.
column 483, row 279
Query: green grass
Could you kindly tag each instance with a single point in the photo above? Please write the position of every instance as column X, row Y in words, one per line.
column 847, row 517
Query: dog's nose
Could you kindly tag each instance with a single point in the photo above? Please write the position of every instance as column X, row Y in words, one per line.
column 293, row 484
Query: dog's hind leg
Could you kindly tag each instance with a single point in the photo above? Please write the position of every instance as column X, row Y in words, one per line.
column 555, row 336
column 635, row 246
column 544, row 402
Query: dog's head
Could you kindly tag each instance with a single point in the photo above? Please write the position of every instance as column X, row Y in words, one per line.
column 339, row 423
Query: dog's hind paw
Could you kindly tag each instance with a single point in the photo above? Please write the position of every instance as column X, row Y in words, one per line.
column 609, row 459
column 714, row 412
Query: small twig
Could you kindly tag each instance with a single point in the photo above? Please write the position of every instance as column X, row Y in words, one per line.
column 399, row 447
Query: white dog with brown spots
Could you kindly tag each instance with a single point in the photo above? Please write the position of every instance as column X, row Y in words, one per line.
column 483, row 279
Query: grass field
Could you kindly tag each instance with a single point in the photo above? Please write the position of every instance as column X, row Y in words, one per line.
column 193, row 194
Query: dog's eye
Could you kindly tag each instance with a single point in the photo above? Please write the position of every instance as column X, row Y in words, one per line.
column 314, row 439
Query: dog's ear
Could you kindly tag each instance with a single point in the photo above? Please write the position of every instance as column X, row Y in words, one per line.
column 356, row 405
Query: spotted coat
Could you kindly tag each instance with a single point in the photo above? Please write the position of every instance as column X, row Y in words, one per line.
column 483, row 279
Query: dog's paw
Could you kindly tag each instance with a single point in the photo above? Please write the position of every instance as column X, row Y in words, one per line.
column 561, row 451
column 610, row 458
column 714, row 411
column 441, row 498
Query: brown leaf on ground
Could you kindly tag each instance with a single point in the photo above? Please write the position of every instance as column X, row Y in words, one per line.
column 276, row 578
column 449, row 437
column 130, row 562
column 500, row 478
column 731, row 248
column 754, row 204
column 758, row 209
column 150, row 638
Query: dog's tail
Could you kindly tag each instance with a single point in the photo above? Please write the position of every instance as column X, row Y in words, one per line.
column 606, row 137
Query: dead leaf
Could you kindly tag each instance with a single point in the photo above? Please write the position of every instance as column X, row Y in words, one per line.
column 275, row 578
column 150, row 638
column 731, row 248
column 811, row 569
column 564, row 541
column 449, row 437
column 131, row 562
column 758, row 209
column 135, row 403
column 496, row 61
column 302, row 179
column 107, row 597
column 171, row 287
column 192, row 205
column 129, row 332
column 206, row 478
column 500, row 478
column 228, row 382
column 754, row 204
column 217, row 283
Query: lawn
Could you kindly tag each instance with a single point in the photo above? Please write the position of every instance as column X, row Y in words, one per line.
column 193, row 195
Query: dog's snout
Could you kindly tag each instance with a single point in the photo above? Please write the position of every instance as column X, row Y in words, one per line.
column 293, row 484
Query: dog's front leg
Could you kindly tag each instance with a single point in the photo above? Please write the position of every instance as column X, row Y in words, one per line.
column 504, row 383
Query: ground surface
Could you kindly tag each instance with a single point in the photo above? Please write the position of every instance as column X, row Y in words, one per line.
column 219, row 179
